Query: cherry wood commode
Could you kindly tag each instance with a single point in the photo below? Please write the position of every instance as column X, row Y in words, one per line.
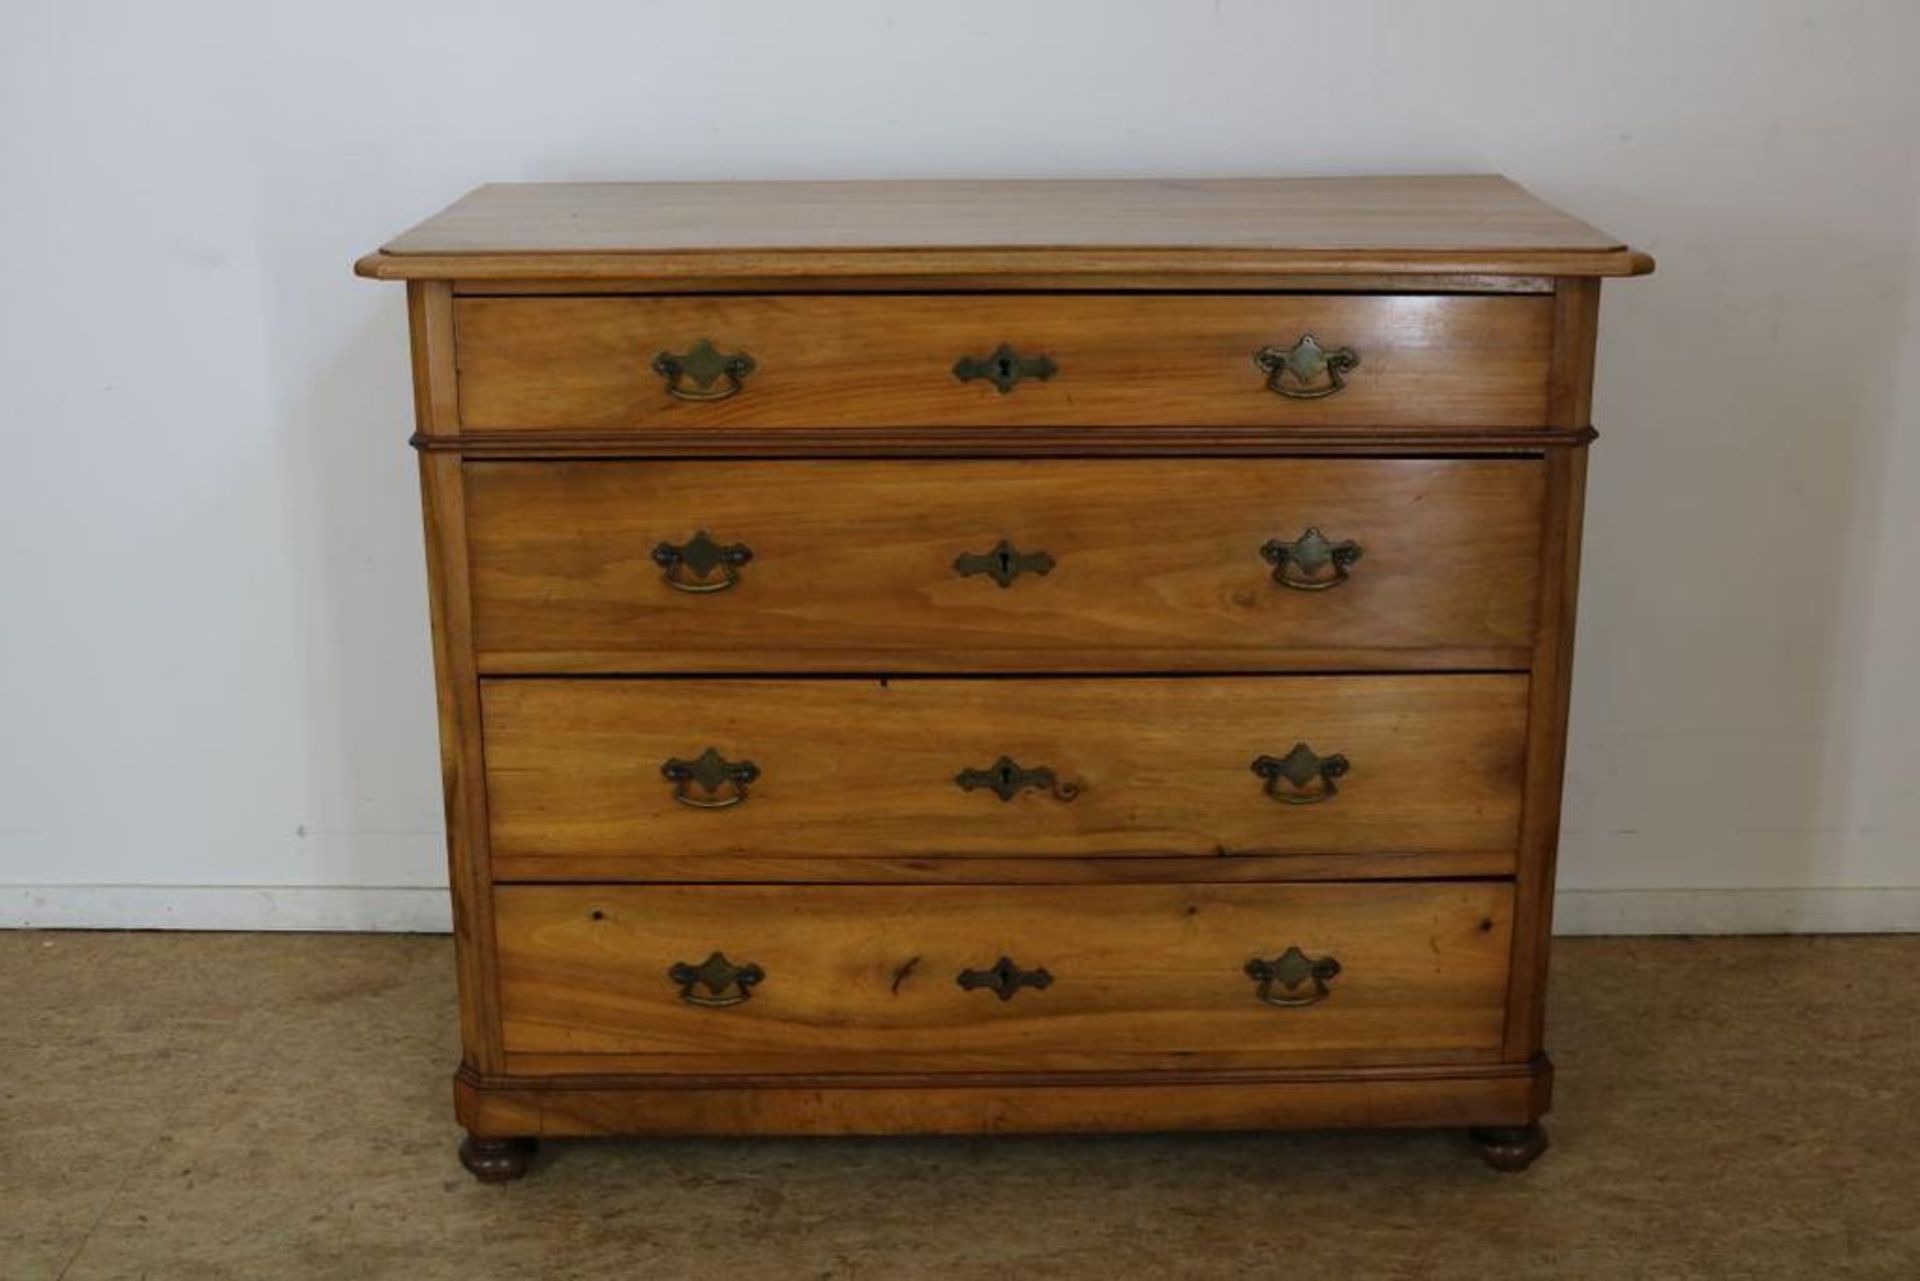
column 983, row 657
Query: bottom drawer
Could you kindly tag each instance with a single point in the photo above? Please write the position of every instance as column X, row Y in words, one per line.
column 988, row 978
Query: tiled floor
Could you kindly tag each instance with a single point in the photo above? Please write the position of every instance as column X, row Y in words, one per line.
column 265, row 1106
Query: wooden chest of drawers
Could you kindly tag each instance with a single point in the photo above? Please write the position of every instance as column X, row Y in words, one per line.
column 940, row 657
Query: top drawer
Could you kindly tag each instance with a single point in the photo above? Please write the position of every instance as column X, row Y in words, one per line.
column 690, row 362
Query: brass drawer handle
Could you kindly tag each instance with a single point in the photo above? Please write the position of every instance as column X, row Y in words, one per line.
column 1312, row 562
column 694, row 374
column 1306, row 370
column 1300, row 767
column 1004, row 979
column 1004, row 368
column 1292, row 968
column 725, row 982
column 1007, row 778
column 1003, row 564
column 722, row 782
column 701, row 555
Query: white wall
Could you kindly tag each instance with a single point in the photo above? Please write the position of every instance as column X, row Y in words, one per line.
column 213, row 657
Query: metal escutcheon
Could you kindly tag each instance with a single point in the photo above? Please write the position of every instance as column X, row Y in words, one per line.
column 1003, row 564
column 1007, row 778
column 1004, row 368
column 701, row 556
column 1306, row 370
column 1289, row 970
column 1004, row 979
column 1300, row 768
column 703, row 372
column 722, row 783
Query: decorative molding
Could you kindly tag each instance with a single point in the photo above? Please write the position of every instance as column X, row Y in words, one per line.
column 424, row 909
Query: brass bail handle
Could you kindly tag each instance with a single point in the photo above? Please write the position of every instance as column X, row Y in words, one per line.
column 1300, row 768
column 1004, row 979
column 1306, row 370
column 722, row 783
column 1312, row 562
column 700, row 556
column 716, row 981
column 703, row 371
column 1289, row 971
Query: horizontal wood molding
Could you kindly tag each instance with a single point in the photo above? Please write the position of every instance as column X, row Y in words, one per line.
column 535, row 1108
column 1001, row 442
column 425, row 909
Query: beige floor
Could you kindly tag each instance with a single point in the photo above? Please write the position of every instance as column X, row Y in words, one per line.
column 211, row 1106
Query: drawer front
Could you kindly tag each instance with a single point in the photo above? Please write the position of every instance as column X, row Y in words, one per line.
column 692, row 363
column 997, row 565
column 1023, row 767
column 761, row 978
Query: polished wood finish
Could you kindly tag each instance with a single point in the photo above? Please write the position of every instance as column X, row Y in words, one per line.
column 585, row 363
column 853, row 565
column 868, row 768
column 1139, row 976
column 1008, row 232
column 1144, row 668
column 1222, row 865
column 1454, row 1095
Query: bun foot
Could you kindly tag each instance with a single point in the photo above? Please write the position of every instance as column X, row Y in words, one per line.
column 496, row 1160
column 1510, row 1148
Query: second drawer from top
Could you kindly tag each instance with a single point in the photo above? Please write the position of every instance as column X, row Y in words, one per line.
column 1024, row 565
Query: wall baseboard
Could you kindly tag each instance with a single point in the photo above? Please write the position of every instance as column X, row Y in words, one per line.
column 424, row 909
column 396, row 909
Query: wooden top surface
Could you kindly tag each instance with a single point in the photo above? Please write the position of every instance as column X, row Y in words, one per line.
column 1479, row 224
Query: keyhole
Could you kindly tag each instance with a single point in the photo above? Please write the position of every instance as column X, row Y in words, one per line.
column 1006, row 562
column 1005, row 364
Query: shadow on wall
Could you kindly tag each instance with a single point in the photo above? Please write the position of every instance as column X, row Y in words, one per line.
column 1724, row 732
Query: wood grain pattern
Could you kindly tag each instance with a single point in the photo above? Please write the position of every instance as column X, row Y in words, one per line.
column 1464, row 1096
column 456, row 684
column 1141, row 976
column 1577, row 306
column 584, row 363
column 1146, row 668
column 1467, row 224
column 853, row 768
column 1224, row 867
column 853, row 565
column 1000, row 442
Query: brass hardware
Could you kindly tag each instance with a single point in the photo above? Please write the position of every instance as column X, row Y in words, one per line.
column 1290, row 970
column 1296, row 372
column 1004, row 368
column 1006, row 778
column 701, row 555
column 705, row 365
column 725, row 982
column 713, row 772
column 1003, row 564
column 1004, row 979
column 1300, row 767
column 1304, row 563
